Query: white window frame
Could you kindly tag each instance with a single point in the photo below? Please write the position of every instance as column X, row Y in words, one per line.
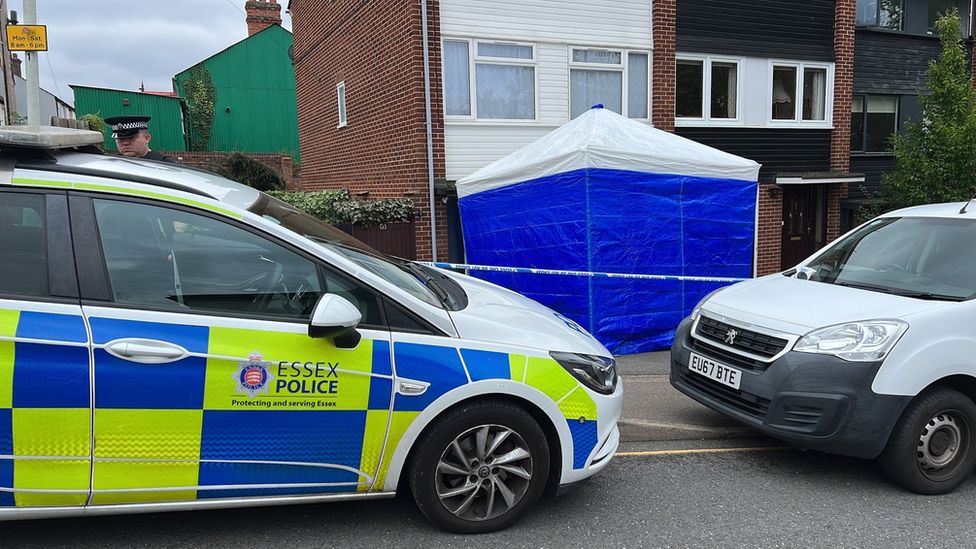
column 623, row 68
column 341, row 104
column 474, row 59
column 706, row 119
column 797, row 121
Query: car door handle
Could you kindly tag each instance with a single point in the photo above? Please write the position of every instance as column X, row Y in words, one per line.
column 146, row 351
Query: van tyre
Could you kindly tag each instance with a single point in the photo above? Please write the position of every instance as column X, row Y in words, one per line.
column 932, row 449
column 480, row 467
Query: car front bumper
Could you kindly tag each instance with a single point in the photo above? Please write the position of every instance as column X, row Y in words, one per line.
column 808, row 400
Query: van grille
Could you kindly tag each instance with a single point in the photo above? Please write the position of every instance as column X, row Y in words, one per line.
column 745, row 340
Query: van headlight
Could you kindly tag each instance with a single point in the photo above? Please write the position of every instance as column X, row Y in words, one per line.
column 596, row 372
column 865, row 341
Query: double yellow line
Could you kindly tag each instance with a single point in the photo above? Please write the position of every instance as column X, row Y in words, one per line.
column 691, row 451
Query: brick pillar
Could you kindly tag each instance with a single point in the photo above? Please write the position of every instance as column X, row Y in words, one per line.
column 664, row 28
column 835, row 194
column 770, row 229
column 840, row 137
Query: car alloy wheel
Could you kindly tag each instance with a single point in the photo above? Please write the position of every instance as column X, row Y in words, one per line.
column 484, row 472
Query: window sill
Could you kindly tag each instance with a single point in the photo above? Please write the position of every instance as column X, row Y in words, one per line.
column 698, row 122
column 497, row 122
column 862, row 154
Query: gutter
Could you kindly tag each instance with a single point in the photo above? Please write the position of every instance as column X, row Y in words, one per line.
column 430, row 135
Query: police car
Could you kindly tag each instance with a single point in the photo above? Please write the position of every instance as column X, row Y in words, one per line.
column 173, row 340
column 866, row 349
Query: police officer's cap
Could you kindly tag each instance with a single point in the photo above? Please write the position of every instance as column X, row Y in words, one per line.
column 127, row 126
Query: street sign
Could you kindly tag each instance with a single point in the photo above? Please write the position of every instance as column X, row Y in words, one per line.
column 27, row 37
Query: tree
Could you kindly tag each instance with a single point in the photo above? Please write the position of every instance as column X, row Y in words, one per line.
column 937, row 155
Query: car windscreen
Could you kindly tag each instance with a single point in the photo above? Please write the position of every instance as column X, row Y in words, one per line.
column 398, row 272
column 920, row 257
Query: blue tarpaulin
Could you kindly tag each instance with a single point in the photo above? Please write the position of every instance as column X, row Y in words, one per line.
column 609, row 208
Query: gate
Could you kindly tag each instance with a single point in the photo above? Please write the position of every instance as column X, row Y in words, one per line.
column 397, row 239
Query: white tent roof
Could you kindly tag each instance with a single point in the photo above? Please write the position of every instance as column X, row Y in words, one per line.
column 601, row 138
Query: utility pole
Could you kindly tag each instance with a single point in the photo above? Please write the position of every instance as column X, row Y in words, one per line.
column 33, row 72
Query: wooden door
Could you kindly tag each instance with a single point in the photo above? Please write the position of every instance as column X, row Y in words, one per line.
column 799, row 223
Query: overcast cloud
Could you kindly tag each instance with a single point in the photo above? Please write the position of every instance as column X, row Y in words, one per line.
column 123, row 43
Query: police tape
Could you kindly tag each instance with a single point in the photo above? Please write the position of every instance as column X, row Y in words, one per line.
column 528, row 270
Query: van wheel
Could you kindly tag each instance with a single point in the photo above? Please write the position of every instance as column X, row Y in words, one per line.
column 932, row 449
column 479, row 468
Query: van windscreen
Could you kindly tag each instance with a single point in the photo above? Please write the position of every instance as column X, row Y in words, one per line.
column 925, row 258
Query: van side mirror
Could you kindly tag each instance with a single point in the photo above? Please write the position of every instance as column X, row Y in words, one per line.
column 333, row 316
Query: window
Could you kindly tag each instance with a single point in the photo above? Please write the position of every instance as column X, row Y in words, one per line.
column 395, row 271
column 457, row 79
column 874, row 119
column 595, row 76
column 710, row 83
column 172, row 259
column 598, row 76
column 690, row 89
column 341, row 98
column 938, row 8
column 784, row 93
column 23, row 244
column 800, row 92
column 505, row 81
column 815, row 94
column 637, row 78
column 724, row 90
column 881, row 14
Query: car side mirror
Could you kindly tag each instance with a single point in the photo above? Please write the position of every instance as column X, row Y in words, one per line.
column 333, row 316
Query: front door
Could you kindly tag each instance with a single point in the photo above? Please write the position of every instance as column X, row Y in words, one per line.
column 45, row 395
column 207, row 384
column 803, row 222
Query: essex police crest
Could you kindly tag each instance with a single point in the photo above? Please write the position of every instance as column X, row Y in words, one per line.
column 253, row 376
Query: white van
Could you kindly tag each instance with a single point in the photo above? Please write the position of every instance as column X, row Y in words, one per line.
column 866, row 349
column 173, row 340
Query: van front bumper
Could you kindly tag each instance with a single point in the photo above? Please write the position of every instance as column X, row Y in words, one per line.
column 813, row 401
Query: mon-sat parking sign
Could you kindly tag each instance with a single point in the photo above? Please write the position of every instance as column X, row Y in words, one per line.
column 27, row 37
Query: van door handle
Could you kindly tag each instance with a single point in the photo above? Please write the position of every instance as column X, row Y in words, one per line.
column 146, row 351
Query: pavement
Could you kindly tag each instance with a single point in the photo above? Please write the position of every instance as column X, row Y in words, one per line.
column 655, row 411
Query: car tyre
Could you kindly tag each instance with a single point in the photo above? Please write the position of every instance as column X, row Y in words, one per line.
column 932, row 448
column 480, row 467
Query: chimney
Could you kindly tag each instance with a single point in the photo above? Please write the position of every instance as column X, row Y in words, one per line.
column 15, row 63
column 261, row 14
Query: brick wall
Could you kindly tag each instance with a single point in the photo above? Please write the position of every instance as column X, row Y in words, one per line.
column 664, row 28
column 376, row 49
column 770, row 229
column 281, row 164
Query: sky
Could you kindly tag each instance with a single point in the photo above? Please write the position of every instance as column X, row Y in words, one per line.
column 124, row 43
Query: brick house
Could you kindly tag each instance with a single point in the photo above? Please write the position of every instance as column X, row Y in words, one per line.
column 503, row 73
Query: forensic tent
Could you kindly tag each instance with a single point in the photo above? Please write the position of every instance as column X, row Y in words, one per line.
column 613, row 200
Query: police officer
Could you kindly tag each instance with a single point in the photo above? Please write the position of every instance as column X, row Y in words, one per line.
column 131, row 134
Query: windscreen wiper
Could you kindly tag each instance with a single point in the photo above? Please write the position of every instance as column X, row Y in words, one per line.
column 900, row 292
column 428, row 281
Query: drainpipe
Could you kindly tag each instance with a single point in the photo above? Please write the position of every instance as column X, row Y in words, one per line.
column 430, row 133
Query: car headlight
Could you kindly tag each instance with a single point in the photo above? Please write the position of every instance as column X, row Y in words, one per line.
column 596, row 372
column 865, row 341
column 697, row 310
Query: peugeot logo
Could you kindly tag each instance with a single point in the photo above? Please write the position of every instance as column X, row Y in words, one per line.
column 730, row 336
